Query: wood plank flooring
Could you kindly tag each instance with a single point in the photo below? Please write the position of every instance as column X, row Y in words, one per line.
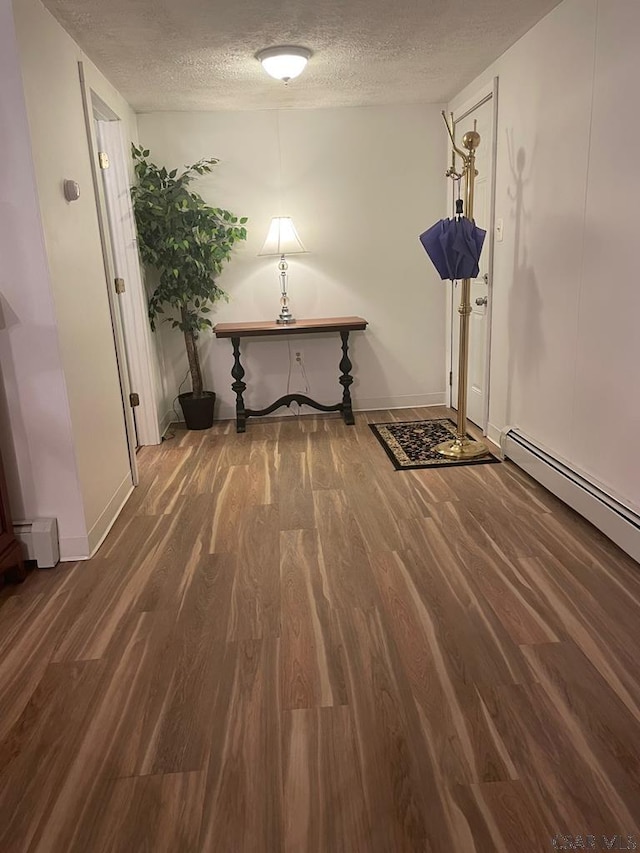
column 286, row 645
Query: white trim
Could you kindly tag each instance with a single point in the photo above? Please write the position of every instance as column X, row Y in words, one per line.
column 408, row 401
column 74, row 549
column 107, row 260
column 105, row 522
column 494, row 433
column 448, row 342
column 491, row 247
column 461, row 108
column 496, row 447
column 168, row 419
column 133, row 302
column 616, row 518
column 101, row 110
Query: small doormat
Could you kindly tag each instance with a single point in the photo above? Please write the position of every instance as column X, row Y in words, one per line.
column 410, row 444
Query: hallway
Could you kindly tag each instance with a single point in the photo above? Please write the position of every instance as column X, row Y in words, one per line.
column 286, row 645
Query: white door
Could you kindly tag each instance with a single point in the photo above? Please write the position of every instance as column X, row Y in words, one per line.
column 131, row 298
column 118, row 339
column 477, row 401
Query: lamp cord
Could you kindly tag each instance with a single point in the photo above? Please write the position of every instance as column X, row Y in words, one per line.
column 290, row 368
column 307, row 386
column 169, row 435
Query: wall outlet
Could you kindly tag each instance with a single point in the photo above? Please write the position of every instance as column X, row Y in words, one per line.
column 298, row 355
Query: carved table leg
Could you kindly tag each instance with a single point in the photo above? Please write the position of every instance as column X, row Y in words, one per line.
column 237, row 372
column 346, row 379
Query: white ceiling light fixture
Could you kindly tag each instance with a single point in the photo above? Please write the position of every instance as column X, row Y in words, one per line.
column 284, row 62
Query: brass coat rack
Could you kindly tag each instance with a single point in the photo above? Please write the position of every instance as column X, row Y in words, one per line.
column 462, row 447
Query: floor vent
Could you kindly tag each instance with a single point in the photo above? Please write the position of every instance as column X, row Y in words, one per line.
column 40, row 538
column 617, row 521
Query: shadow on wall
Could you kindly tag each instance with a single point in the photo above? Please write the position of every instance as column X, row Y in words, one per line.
column 526, row 337
column 12, row 431
column 49, row 434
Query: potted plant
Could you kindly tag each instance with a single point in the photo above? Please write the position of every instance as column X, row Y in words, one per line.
column 186, row 242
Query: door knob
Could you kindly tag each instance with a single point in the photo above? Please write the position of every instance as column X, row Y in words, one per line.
column 481, row 300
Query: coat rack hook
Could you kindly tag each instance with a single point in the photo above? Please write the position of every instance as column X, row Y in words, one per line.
column 451, row 130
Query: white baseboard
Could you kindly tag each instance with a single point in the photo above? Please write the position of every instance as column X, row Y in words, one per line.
column 494, row 434
column 166, row 421
column 103, row 525
column 620, row 522
column 74, row 548
column 408, row 401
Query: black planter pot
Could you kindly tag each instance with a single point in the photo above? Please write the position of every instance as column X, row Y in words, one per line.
column 198, row 411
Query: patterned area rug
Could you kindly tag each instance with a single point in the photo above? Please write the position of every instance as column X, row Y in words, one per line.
column 409, row 444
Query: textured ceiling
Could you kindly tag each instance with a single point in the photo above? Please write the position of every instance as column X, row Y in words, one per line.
column 199, row 54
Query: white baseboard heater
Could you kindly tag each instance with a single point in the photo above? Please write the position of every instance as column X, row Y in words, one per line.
column 617, row 521
column 40, row 540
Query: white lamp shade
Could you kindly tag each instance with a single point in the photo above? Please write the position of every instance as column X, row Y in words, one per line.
column 284, row 63
column 282, row 238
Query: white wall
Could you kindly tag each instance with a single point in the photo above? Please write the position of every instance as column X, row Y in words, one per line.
column 361, row 185
column 49, row 60
column 566, row 300
column 36, row 440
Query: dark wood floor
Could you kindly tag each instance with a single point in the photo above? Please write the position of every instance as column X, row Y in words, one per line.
column 286, row 645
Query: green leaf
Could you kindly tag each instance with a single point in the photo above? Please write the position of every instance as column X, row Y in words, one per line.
column 183, row 240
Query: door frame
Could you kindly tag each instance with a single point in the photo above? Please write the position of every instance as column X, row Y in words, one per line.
column 116, row 324
column 136, row 364
column 461, row 109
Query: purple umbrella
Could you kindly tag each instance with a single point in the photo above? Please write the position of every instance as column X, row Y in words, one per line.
column 454, row 246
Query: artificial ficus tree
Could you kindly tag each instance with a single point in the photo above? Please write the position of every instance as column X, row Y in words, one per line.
column 187, row 242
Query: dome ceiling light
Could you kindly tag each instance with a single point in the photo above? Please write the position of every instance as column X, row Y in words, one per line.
column 284, row 62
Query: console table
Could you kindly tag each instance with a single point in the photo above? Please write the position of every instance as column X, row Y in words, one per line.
column 236, row 331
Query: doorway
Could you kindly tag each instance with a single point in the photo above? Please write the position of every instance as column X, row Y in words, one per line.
column 125, row 288
column 483, row 110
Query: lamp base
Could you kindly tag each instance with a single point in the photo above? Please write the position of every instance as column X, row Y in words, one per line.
column 286, row 316
column 465, row 448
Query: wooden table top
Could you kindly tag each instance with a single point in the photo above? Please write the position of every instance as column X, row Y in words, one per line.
column 300, row 327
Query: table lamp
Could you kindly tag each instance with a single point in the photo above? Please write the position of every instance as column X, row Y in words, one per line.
column 282, row 239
